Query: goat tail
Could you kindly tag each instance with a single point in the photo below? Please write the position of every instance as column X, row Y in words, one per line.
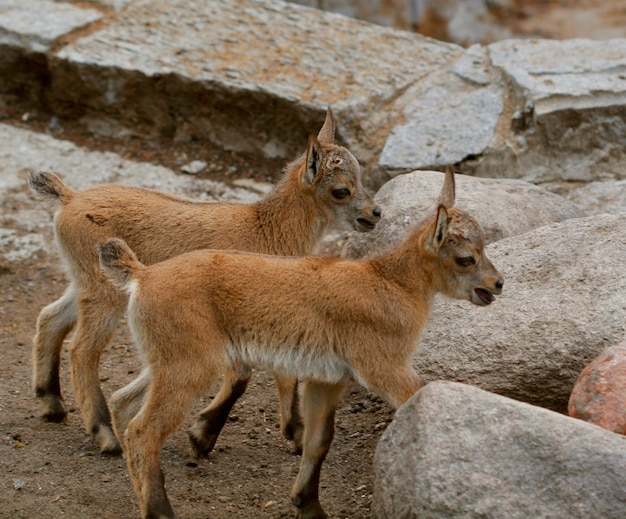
column 118, row 262
column 49, row 188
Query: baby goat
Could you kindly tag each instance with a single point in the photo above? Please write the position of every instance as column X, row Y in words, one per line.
column 320, row 189
column 327, row 321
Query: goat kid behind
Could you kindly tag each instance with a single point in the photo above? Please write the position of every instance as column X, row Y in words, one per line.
column 321, row 189
column 327, row 321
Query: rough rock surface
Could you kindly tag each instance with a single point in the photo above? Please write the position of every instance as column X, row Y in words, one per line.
column 254, row 76
column 564, row 301
column 503, row 207
column 548, row 110
column 599, row 393
column 599, row 197
column 456, row 451
column 36, row 28
column 251, row 76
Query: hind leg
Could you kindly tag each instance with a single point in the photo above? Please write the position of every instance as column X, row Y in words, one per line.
column 97, row 320
column 172, row 388
column 54, row 323
column 204, row 432
column 127, row 402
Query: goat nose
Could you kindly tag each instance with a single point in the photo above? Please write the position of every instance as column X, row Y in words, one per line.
column 377, row 212
column 500, row 284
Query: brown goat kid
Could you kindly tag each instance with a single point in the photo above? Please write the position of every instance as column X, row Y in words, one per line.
column 326, row 321
column 321, row 189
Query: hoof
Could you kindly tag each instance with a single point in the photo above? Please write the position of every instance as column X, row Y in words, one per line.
column 309, row 508
column 201, row 444
column 55, row 416
column 52, row 406
column 109, row 446
column 295, row 433
column 312, row 512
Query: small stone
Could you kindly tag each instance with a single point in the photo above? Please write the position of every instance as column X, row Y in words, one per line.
column 194, row 167
column 598, row 395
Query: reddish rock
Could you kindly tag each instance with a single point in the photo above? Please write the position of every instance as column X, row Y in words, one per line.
column 599, row 395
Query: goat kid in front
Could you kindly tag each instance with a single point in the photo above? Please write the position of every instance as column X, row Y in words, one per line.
column 327, row 321
column 319, row 190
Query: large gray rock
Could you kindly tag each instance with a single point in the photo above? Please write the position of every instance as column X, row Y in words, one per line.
column 569, row 121
column 537, row 110
column 562, row 75
column 449, row 116
column 503, row 208
column 249, row 76
column 456, row 451
column 564, row 301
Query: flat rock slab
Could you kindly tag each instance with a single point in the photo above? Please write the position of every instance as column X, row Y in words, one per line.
column 557, row 75
column 596, row 197
column 247, row 75
column 448, row 116
column 537, row 110
column 34, row 25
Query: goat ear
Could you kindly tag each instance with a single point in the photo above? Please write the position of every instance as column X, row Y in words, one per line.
column 327, row 133
column 439, row 230
column 447, row 195
column 313, row 162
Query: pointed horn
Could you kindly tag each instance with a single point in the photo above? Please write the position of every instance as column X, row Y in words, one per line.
column 447, row 195
column 327, row 134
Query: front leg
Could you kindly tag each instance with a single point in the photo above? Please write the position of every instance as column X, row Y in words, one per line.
column 395, row 383
column 291, row 425
column 319, row 401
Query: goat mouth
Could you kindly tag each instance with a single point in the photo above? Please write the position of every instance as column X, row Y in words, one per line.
column 364, row 224
column 484, row 296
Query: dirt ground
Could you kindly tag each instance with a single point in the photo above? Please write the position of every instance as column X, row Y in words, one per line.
column 52, row 470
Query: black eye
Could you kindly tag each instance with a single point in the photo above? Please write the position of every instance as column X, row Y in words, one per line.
column 467, row 261
column 340, row 194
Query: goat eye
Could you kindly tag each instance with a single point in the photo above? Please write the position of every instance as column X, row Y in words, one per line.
column 467, row 261
column 340, row 194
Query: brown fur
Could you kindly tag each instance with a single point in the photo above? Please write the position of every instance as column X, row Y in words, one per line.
column 320, row 189
column 327, row 321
